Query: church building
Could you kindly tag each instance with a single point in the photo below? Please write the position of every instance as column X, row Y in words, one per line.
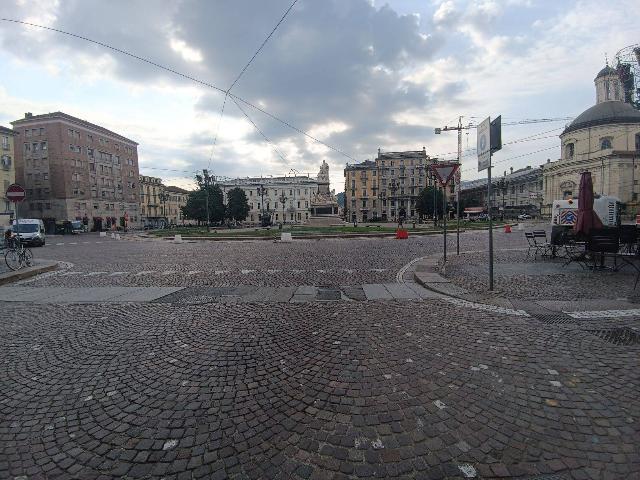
column 604, row 140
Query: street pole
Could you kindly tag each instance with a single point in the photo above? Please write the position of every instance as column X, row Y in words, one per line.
column 18, row 225
column 490, row 226
column 458, row 187
column 444, row 216
column 206, row 189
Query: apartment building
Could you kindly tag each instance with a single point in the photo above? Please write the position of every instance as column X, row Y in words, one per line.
column 152, row 202
column 382, row 189
column 284, row 199
column 176, row 199
column 74, row 169
column 7, row 173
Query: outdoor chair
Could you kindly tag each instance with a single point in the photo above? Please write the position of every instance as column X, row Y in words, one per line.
column 602, row 243
column 537, row 247
column 540, row 239
column 628, row 238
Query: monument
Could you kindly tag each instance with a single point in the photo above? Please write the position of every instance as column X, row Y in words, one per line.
column 324, row 206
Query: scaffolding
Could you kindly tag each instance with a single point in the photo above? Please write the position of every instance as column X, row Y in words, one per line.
column 628, row 68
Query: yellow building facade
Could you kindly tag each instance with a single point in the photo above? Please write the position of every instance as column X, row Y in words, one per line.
column 7, row 173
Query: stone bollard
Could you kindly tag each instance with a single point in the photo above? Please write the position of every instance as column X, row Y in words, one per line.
column 177, row 238
column 117, row 236
column 520, row 226
column 103, row 234
column 286, row 237
column 113, row 235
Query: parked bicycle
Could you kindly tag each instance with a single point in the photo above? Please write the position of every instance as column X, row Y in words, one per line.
column 17, row 255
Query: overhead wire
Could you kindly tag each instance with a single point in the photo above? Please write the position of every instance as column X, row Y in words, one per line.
column 182, row 75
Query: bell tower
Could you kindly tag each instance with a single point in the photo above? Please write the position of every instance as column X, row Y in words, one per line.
column 608, row 86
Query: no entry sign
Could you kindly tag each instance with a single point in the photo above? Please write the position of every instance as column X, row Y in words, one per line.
column 15, row 193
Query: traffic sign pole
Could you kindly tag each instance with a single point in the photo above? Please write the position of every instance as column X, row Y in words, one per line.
column 490, row 227
column 445, row 213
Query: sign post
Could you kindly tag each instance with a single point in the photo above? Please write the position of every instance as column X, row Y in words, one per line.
column 444, row 172
column 489, row 141
column 15, row 193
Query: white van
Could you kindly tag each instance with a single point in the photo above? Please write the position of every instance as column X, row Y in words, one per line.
column 31, row 231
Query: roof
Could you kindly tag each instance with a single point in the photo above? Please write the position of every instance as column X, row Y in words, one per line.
column 407, row 154
column 7, row 131
column 366, row 165
column 269, row 181
column 605, row 113
column 171, row 188
column 606, row 71
column 69, row 118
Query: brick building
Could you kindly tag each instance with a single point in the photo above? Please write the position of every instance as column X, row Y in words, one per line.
column 74, row 169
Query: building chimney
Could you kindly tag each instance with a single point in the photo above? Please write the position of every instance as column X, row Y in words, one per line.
column 511, row 169
column 548, row 160
column 28, row 115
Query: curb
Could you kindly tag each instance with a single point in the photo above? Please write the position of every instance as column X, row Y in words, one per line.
column 305, row 237
column 44, row 266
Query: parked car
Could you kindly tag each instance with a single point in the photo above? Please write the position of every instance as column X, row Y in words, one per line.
column 524, row 216
column 78, row 227
column 30, row 231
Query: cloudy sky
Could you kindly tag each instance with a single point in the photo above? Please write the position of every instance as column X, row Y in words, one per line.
column 357, row 74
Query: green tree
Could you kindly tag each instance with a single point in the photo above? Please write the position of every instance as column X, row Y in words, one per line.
column 196, row 207
column 237, row 205
column 424, row 204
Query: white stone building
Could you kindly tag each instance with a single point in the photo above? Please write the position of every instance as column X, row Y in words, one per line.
column 604, row 140
column 285, row 199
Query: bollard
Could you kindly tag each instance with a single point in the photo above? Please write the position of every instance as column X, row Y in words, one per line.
column 117, row 236
column 113, row 235
column 103, row 234
column 286, row 237
column 177, row 238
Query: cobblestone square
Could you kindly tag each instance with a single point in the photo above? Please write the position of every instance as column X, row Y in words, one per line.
column 324, row 359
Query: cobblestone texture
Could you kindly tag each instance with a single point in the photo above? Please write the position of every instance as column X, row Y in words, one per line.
column 314, row 390
column 546, row 279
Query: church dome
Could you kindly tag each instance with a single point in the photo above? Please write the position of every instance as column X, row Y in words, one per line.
column 605, row 113
column 606, row 71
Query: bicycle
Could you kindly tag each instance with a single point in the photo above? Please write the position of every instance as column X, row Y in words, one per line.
column 17, row 256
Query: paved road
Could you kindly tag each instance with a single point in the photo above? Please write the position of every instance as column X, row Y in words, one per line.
column 355, row 388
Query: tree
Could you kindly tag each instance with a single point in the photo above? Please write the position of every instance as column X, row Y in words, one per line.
column 424, row 204
column 237, row 205
column 196, row 207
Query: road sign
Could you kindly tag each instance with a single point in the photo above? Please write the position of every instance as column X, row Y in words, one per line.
column 444, row 172
column 484, row 144
column 15, row 193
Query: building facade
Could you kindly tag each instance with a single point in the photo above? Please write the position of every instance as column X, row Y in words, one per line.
column 176, row 199
column 604, row 140
column 74, row 169
column 513, row 193
column 152, row 202
column 284, row 199
column 384, row 188
column 7, row 173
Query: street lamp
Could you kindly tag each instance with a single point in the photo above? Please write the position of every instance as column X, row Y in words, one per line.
column 260, row 191
column 283, row 199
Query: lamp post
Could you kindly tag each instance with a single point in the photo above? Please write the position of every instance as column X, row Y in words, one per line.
column 260, row 191
column 205, row 174
column 283, row 200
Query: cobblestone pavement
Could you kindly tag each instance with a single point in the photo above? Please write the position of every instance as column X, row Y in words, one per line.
column 326, row 388
column 325, row 262
column 520, row 276
column 315, row 390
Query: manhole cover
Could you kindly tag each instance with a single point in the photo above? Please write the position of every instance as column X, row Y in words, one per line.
column 618, row 336
column 328, row 294
column 554, row 318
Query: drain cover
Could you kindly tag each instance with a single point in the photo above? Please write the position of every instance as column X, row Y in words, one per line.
column 618, row 336
column 554, row 318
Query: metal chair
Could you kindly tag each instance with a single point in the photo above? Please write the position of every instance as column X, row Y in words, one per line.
column 540, row 239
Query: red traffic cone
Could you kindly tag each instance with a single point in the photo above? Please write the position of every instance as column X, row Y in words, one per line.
column 507, row 228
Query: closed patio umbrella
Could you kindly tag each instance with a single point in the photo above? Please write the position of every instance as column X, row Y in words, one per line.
column 587, row 218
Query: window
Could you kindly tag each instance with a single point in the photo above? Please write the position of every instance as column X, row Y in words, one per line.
column 27, row 133
column 521, row 188
column 45, row 176
column 569, row 150
column 637, row 142
column 41, row 130
column 605, row 143
column 43, row 146
column 5, row 143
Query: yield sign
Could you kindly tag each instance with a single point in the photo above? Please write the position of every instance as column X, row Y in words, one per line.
column 15, row 193
column 444, row 172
